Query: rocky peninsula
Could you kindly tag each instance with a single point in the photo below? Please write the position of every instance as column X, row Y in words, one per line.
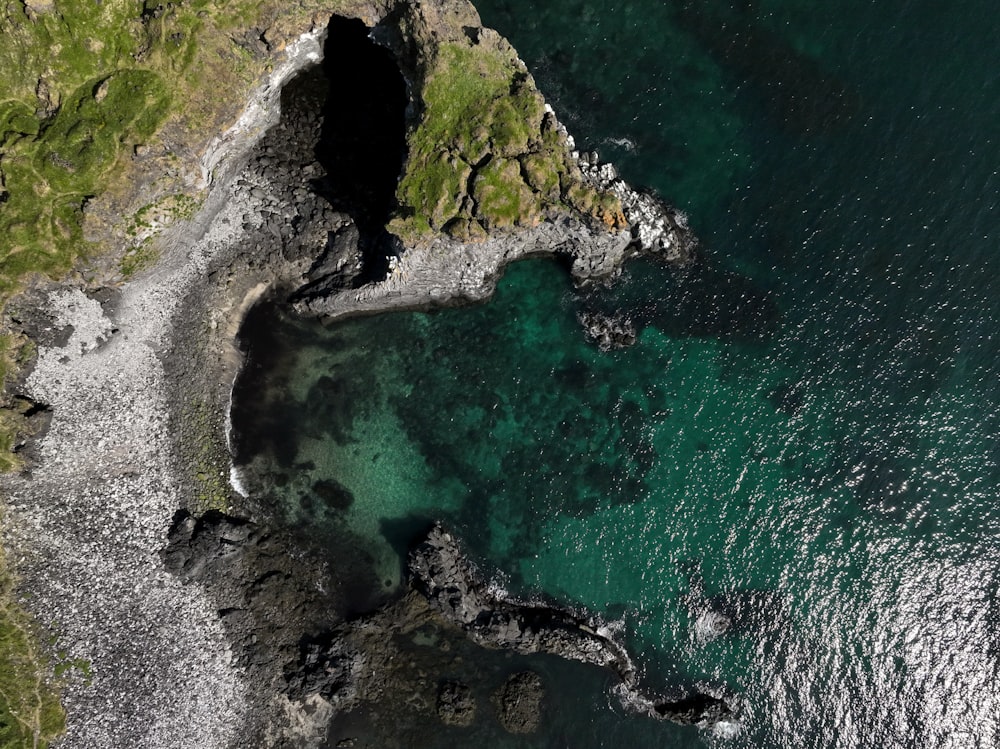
column 199, row 621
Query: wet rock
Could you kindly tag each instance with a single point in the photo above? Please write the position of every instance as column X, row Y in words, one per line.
column 453, row 586
column 694, row 709
column 607, row 331
column 327, row 667
column 456, row 590
column 519, row 702
column 194, row 544
column 456, row 705
column 658, row 230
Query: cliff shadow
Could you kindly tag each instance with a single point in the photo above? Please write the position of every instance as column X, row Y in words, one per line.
column 362, row 142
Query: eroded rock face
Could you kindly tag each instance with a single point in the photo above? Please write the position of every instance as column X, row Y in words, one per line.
column 291, row 218
column 452, row 585
column 271, row 593
column 422, row 653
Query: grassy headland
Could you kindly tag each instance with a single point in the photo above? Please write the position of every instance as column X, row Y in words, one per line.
column 485, row 154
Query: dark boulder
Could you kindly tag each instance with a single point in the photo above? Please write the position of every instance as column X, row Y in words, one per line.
column 456, row 705
column 519, row 702
column 607, row 331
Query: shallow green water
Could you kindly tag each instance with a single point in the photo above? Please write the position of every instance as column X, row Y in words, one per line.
column 805, row 437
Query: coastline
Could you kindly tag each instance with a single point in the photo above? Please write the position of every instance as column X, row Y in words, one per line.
column 143, row 377
column 86, row 522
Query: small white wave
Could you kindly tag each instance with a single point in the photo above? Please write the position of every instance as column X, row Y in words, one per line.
column 711, row 624
column 726, row 729
column 235, row 478
column 497, row 589
column 625, row 143
column 236, row 481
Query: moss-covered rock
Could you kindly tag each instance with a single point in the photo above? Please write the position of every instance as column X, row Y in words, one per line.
column 475, row 97
column 502, row 196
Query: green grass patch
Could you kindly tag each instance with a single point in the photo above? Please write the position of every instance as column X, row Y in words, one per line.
column 477, row 103
column 139, row 258
column 30, row 713
column 503, row 197
column 79, row 666
column 484, row 154
column 51, row 175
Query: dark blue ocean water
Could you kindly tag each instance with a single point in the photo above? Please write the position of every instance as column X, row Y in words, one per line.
column 804, row 441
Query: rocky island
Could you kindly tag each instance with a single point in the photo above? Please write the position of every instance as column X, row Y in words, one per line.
column 175, row 612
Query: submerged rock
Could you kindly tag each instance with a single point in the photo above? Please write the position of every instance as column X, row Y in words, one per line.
column 519, row 702
column 455, row 704
column 607, row 331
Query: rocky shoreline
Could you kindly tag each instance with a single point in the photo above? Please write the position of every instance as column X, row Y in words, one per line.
column 446, row 577
column 138, row 382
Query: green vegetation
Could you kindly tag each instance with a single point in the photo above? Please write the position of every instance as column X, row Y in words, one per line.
column 30, row 714
column 207, row 457
column 93, row 96
column 140, row 252
column 504, row 198
column 485, row 154
column 50, row 176
column 82, row 665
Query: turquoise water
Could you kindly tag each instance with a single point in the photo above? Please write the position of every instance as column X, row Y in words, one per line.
column 805, row 437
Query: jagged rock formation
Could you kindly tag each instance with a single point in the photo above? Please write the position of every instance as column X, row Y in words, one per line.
column 607, row 331
column 448, row 579
column 270, row 594
column 370, row 659
column 658, row 230
column 450, row 582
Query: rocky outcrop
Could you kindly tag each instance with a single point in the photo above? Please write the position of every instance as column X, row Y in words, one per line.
column 271, row 592
column 519, row 702
column 607, row 331
column 448, row 272
column 453, row 586
column 658, row 230
column 485, row 153
column 413, row 649
column 451, row 583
